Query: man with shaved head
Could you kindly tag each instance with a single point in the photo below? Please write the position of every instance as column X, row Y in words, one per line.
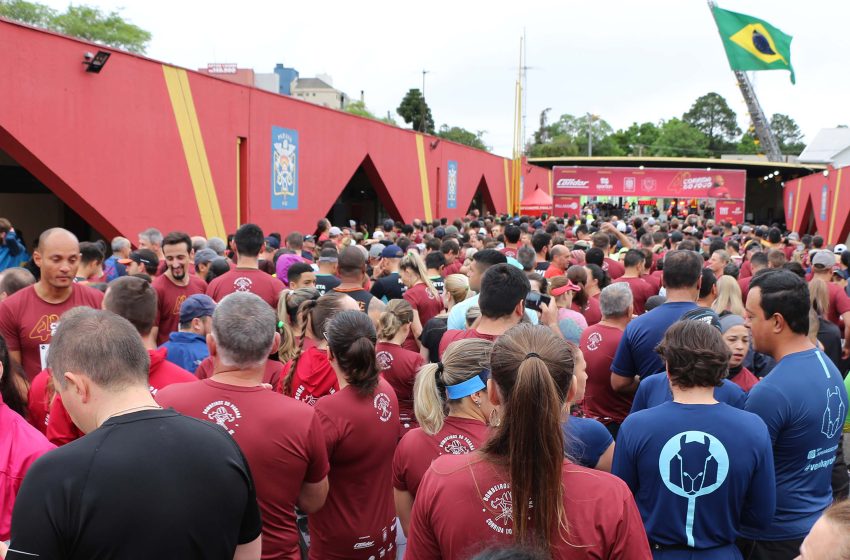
column 29, row 317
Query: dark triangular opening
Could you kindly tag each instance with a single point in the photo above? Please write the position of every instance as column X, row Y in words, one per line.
column 365, row 199
column 808, row 224
column 482, row 200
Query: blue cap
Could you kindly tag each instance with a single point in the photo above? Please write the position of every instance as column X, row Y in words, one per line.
column 392, row 252
column 195, row 306
column 273, row 242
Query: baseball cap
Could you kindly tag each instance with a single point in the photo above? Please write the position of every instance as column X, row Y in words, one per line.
column 840, row 248
column 273, row 242
column 823, row 259
column 142, row 256
column 703, row 314
column 205, row 256
column 309, row 238
column 335, row 231
column 195, row 306
column 375, row 251
column 746, row 229
column 329, row 254
column 392, row 252
column 568, row 287
column 794, row 236
column 379, row 234
column 650, row 222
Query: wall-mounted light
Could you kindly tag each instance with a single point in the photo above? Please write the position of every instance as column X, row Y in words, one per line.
column 95, row 62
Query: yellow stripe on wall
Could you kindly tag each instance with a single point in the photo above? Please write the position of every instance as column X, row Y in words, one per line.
column 508, row 197
column 550, row 182
column 835, row 207
column 423, row 177
column 183, row 105
column 797, row 203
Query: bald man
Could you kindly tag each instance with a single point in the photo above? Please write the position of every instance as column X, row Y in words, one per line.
column 560, row 261
column 29, row 317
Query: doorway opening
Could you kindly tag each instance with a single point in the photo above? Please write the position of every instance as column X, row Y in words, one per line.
column 364, row 201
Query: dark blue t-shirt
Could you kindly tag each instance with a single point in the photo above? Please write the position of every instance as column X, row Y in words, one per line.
column 655, row 390
column 186, row 350
column 636, row 352
column 585, row 440
column 698, row 472
column 803, row 402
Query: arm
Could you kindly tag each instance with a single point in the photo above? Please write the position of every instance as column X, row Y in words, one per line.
column 403, row 507
column 845, row 353
column 376, row 308
column 249, row 551
column 549, row 318
column 608, row 227
column 760, row 504
column 606, row 460
column 623, row 384
column 312, row 495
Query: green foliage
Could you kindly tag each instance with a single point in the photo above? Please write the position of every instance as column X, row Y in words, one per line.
column 463, row 136
column 787, row 133
column 711, row 115
column 415, row 111
column 85, row 22
column 677, row 138
column 359, row 108
column 637, row 139
column 569, row 135
column 748, row 144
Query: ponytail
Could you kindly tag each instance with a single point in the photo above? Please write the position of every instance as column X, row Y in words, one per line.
column 533, row 369
column 397, row 314
column 304, row 313
column 462, row 361
column 290, row 321
column 414, row 262
column 351, row 340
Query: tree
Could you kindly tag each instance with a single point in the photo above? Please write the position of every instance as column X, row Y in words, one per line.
column 463, row 136
column 415, row 111
column 677, row 138
column 359, row 108
column 85, row 22
column 711, row 115
column 749, row 144
column 787, row 133
column 636, row 140
column 568, row 136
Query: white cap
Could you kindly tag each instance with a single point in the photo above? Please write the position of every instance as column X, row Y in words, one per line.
column 840, row 248
column 621, row 227
column 379, row 234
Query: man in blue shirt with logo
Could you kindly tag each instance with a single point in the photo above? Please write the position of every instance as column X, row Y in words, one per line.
column 636, row 357
column 803, row 402
column 187, row 347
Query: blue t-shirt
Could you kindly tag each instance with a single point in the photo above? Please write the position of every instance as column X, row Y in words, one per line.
column 655, row 390
column 113, row 269
column 636, row 352
column 186, row 350
column 803, row 402
column 585, row 440
column 698, row 472
column 457, row 316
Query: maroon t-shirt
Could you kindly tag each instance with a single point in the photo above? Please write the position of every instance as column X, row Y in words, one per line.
column 272, row 374
column 27, row 322
column 614, row 268
column 745, row 379
column 654, row 281
column 399, row 367
column 464, row 505
column 454, row 335
column 453, row 268
column 423, row 301
column 641, row 291
column 247, row 280
column 169, row 298
column 417, row 449
column 746, row 270
column 509, row 252
column 839, row 304
column 592, row 312
column 744, row 284
column 281, row 440
column 357, row 521
column 599, row 344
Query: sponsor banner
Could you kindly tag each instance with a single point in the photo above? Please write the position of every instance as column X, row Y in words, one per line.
column 824, row 196
column 284, row 169
column 731, row 210
column 569, row 205
column 659, row 183
column 451, row 183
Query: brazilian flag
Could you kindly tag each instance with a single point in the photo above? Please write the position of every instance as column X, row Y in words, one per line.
column 753, row 44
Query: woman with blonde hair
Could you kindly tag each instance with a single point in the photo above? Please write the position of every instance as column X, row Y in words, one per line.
column 453, row 411
column 398, row 365
column 288, row 326
column 582, row 302
column 519, row 488
column 421, row 294
column 826, row 332
column 729, row 297
column 456, row 290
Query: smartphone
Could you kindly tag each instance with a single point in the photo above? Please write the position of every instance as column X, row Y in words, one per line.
column 534, row 299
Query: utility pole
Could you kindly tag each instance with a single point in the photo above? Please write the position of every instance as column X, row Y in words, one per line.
column 590, row 118
column 422, row 120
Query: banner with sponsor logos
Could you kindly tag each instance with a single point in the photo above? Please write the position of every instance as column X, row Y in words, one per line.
column 569, row 205
column 661, row 183
column 284, row 169
column 731, row 210
column 451, row 184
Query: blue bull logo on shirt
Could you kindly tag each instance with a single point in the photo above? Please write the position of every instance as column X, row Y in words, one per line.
column 833, row 416
column 693, row 467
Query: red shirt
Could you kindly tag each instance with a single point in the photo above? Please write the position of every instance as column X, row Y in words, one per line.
column 272, row 375
column 426, row 305
column 839, row 304
column 453, row 268
column 453, row 335
column 169, row 298
column 358, row 519
column 464, row 505
column 250, row 280
column 314, row 377
column 744, row 284
column 27, row 322
column 641, row 291
column 746, row 270
column 417, row 449
column 599, row 344
column 281, row 440
column 654, row 281
column 553, row 271
column 39, row 401
column 509, row 252
column 745, row 379
column 399, row 367
column 60, row 427
column 614, row 268
column 592, row 312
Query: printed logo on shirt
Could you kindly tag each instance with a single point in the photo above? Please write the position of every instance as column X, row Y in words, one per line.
column 176, row 309
column 594, row 340
column 382, row 405
column 44, row 328
column 500, row 503
column 457, row 444
column 833, row 416
column 242, row 284
column 223, row 413
column 384, row 360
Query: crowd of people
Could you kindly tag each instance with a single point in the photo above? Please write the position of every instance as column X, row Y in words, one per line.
column 491, row 387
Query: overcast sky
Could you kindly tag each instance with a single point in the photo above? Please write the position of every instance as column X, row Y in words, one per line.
column 626, row 61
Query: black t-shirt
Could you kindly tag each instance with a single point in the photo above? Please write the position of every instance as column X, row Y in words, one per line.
column 361, row 296
column 542, row 266
column 431, row 335
column 149, row 484
column 326, row 282
column 389, row 287
column 439, row 283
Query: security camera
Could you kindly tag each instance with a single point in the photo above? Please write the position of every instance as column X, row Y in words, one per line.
column 87, row 57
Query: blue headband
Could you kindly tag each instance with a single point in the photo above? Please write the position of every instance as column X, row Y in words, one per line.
column 471, row 385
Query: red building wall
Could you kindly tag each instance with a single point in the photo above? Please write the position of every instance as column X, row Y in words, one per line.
column 821, row 199
column 146, row 144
